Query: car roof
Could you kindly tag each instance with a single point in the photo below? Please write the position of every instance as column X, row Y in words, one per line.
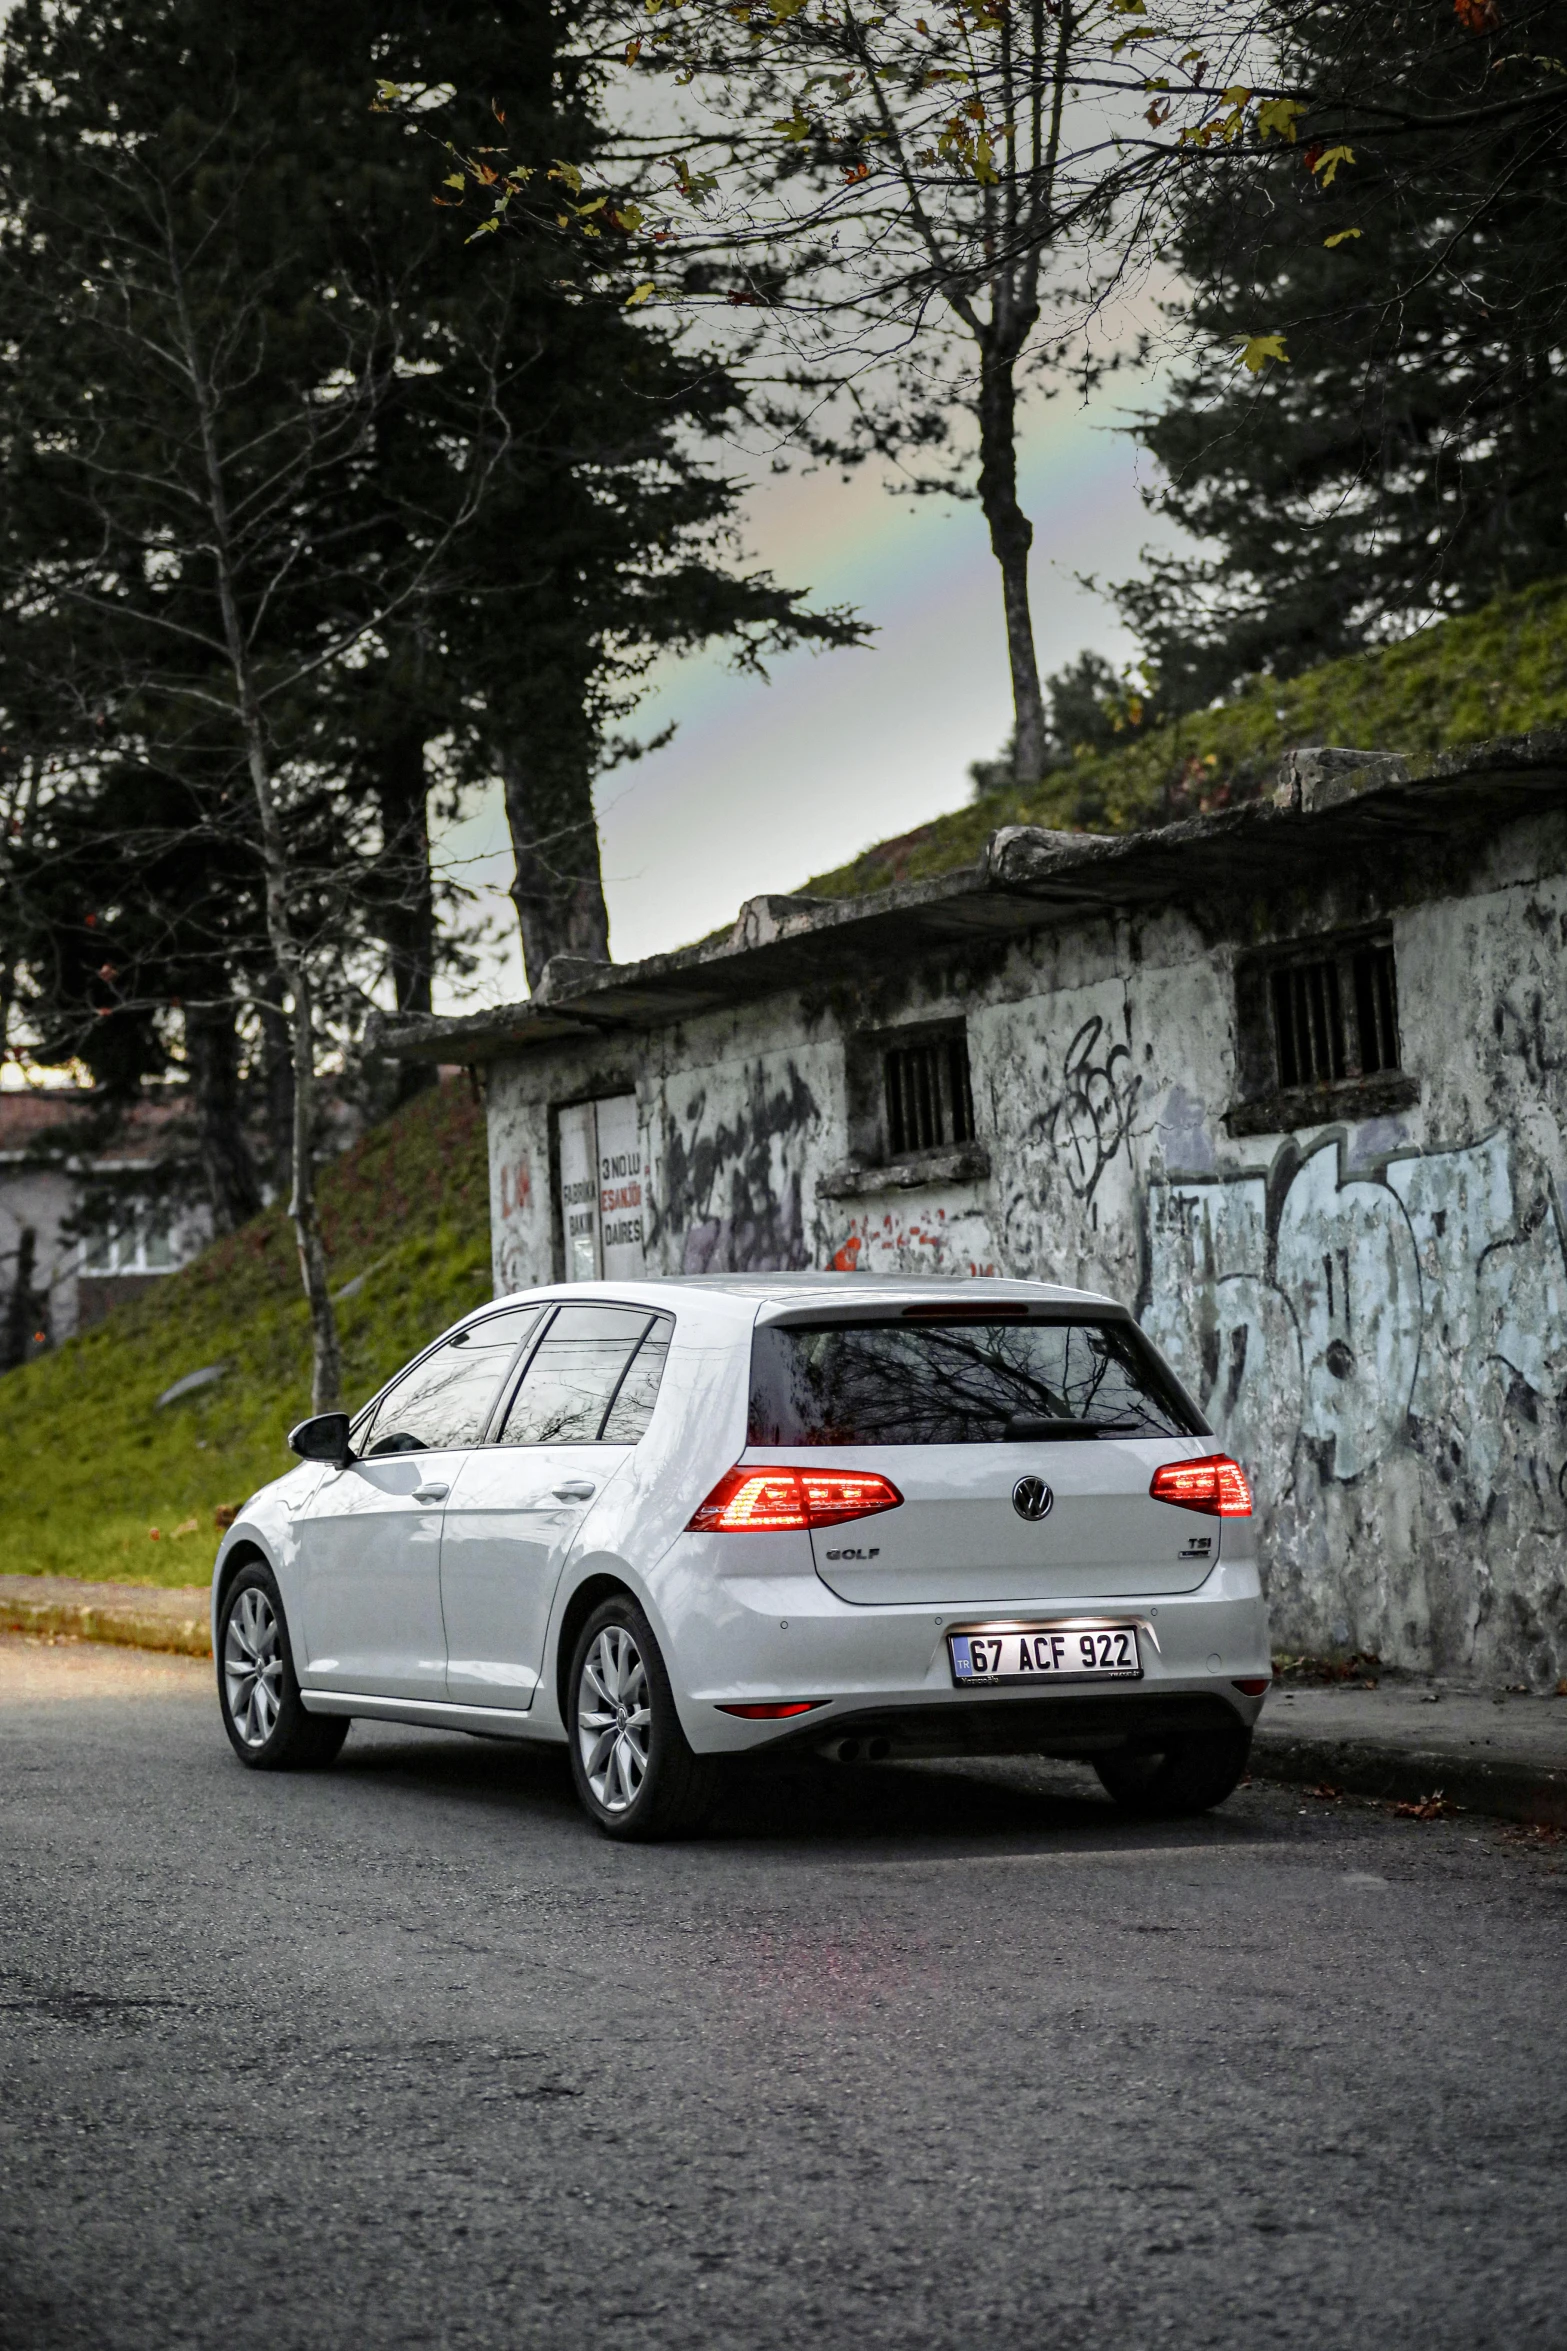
column 753, row 1293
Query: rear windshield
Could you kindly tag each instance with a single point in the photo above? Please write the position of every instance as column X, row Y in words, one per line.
column 960, row 1383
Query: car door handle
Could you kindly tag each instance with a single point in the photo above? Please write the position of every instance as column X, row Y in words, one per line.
column 431, row 1493
column 576, row 1490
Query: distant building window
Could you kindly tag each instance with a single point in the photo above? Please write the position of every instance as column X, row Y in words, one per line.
column 139, row 1242
column 930, row 1101
column 1314, row 1022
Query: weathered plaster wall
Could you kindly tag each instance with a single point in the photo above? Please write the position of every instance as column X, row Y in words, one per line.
column 1374, row 1315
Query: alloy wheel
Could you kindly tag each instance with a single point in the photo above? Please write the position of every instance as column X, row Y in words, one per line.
column 614, row 1719
column 253, row 1666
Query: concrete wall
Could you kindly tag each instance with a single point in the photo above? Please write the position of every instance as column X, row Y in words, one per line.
column 1374, row 1314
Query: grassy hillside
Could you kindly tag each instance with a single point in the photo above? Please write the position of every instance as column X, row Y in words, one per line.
column 93, row 1467
column 1501, row 671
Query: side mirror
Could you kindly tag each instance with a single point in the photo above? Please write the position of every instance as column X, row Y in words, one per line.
column 323, row 1438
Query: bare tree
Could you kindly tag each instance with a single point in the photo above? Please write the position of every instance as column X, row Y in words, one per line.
column 203, row 411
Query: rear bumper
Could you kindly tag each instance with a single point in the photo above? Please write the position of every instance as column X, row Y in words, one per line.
column 885, row 1672
column 1094, row 1723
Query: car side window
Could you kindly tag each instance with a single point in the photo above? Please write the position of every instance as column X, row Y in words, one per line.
column 576, row 1374
column 632, row 1408
column 444, row 1400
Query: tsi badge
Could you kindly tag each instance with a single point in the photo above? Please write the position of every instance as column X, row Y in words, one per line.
column 1032, row 1498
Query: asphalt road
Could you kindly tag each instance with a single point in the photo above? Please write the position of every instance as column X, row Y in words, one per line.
column 404, row 2054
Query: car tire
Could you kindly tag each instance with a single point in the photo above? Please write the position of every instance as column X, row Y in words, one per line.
column 1188, row 1775
column 258, row 1690
column 634, row 1771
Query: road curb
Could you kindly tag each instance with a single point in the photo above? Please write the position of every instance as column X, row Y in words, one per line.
column 126, row 1628
column 1504, row 1788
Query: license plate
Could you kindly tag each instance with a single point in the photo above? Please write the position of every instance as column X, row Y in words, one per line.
column 1046, row 1653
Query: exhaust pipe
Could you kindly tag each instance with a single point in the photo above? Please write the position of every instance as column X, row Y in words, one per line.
column 860, row 1750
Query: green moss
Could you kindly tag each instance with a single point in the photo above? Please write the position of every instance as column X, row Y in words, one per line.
column 93, row 1465
column 1500, row 671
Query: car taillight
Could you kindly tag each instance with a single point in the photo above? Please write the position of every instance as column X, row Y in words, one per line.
column 775, row 1501
column 1216, row 1484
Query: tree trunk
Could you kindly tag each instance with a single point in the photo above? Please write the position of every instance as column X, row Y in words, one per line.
column 407, row 921
column 1011, row 536
column 277, row 1073
column 559, row 889
column 326, row 1384
column 212, row 1053
column 18, row 1325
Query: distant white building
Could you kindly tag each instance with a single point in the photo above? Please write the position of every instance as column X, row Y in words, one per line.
column 84, row 1223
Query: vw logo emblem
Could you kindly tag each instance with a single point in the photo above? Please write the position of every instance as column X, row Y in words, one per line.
column 1032, row 1498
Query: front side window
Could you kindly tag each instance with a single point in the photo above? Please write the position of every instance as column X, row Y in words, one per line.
column 444, row 1400
column 963, row 1382
column 592, row 1379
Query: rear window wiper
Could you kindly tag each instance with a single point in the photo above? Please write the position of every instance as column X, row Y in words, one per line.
column 1024, row 1428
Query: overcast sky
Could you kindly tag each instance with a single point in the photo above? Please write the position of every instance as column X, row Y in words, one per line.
column 764, row 785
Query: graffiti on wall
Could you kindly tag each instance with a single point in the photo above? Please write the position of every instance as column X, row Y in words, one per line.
column 931, row 1239
column 729, row 1192
column 1089, row 1120
column 1346, row 1314
column 514, row 1185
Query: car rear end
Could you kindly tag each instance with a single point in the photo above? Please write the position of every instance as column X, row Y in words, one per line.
column 988, row 1521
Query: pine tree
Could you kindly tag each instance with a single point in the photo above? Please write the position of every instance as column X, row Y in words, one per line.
column 1407, row 456
column 296, row 487
column 604, row 538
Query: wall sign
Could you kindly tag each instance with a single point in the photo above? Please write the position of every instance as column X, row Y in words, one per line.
column 603, row 1190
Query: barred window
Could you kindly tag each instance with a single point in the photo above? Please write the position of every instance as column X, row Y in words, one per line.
column 1335, row 1015
column 929, row 1098
column 1376, row 1008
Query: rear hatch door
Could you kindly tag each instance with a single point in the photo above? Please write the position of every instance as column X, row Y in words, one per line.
column 1022, row 1443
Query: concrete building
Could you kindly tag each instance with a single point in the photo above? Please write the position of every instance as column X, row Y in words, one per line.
column 1291, row 1079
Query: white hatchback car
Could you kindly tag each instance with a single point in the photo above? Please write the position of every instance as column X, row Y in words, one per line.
column 669, row 1522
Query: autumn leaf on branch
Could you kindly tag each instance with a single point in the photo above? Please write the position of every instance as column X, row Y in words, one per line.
column 1256, row 350
column 1279, row 115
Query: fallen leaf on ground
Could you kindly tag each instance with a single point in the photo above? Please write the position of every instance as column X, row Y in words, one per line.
column 1436, row 1806
column 187, row 1526
column 1328, row 1795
